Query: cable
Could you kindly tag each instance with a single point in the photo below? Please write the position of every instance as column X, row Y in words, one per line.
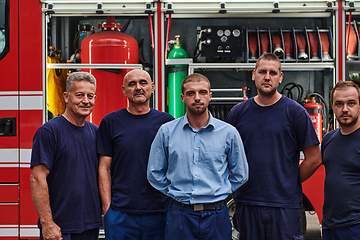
column 289, row 93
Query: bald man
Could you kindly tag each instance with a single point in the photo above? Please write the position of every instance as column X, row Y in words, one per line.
column 132, row 208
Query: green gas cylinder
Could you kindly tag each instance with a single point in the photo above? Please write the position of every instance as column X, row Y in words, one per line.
column 176, row 74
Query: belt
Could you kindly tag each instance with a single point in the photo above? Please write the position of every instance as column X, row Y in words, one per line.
column 200, row 207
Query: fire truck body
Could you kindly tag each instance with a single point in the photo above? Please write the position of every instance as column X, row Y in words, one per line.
column 218, row 37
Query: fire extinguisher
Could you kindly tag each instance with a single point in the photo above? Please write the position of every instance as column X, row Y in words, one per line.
column 314, row 109
column 176, row 74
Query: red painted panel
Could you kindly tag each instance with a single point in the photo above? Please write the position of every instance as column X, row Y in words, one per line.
column 28, row 215
column 9, row 174
column 9, row 64
column 30, row 121
column 9, row 193
column 313, row 189
column 9, row 214
column 30, row 62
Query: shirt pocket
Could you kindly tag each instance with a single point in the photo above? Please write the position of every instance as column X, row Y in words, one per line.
column 215, row 159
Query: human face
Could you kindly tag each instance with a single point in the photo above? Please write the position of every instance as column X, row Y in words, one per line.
column 267, row 77
column 138, row 87
column 196, row 97
column 80, row 99
column 346, row 106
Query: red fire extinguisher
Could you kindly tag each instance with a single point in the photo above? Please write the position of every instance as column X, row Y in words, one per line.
column 314, row 110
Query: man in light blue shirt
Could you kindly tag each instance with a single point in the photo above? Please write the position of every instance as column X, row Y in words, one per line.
column 198, row 161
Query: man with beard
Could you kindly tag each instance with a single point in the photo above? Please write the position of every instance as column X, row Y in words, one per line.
column 341, row 157
column 132, row 208
column 198, row 161
column 274, row 130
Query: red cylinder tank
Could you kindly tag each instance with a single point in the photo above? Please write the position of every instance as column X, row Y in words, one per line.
column 113, row 47
column 314, row 110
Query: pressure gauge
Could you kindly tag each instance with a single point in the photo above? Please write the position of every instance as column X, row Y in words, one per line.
column 227, row 32
column 236, row 32
column 220, row 32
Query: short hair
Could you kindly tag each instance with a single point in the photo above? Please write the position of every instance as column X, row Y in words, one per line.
column 342, row 85
column 79, row 76
column 195, row 77
column 270, row 57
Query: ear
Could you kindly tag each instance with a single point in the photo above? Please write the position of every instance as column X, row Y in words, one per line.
column 66, row 97
column 253, row 75
column 182, row 98
column 123, row 90
column 152, row 87
column 281, row 77
column 210, row 95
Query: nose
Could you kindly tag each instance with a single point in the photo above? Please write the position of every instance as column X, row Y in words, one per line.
column 345, row 108
column 85, row 99
column 267, row 75
column 137, row 86
column 197, row 96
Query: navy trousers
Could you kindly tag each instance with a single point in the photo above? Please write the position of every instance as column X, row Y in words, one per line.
column 183, row 223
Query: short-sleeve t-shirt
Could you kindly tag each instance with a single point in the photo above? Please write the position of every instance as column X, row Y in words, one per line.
column 127, row 138
column 341, row 158
column 69, row 153
column 273, row 137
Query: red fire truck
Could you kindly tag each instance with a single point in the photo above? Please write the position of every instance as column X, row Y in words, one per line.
column 43, row 40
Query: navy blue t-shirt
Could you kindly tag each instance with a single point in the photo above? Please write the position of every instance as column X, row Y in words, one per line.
column 341, row 158
column 127, row 138
column 273, row 137
column 69, row 152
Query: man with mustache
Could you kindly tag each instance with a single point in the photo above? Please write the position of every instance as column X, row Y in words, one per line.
column 340, row 150
column 274, row 130
column 132, row 208
column 64, row 167
column 198, row 161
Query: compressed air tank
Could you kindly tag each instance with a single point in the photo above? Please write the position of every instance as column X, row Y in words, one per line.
column 113, row 47
column 176, row 74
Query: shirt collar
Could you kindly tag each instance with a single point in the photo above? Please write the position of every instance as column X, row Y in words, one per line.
column 211, row 122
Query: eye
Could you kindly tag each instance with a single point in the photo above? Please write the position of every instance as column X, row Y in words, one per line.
column 338, row 104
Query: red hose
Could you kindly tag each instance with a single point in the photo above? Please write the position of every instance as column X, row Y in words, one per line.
column 167, row 36
column 151, row 33
column 348, row 34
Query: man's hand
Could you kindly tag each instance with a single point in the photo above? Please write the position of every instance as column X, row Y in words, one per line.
column 51, row 231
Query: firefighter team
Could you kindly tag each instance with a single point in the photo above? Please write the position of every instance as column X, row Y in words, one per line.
column 155, row 177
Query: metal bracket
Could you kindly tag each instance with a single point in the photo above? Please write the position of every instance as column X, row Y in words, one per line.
column 169, row 7
column 99, row 9
column 351, row 6
column 148, row 8
column 222, row 8
column 329, row 5
column 276, row 7
column 50, row 7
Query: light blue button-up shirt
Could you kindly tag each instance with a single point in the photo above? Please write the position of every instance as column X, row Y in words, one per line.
column 197, row 166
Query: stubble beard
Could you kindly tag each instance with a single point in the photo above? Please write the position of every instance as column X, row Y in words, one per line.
column 350, row 124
